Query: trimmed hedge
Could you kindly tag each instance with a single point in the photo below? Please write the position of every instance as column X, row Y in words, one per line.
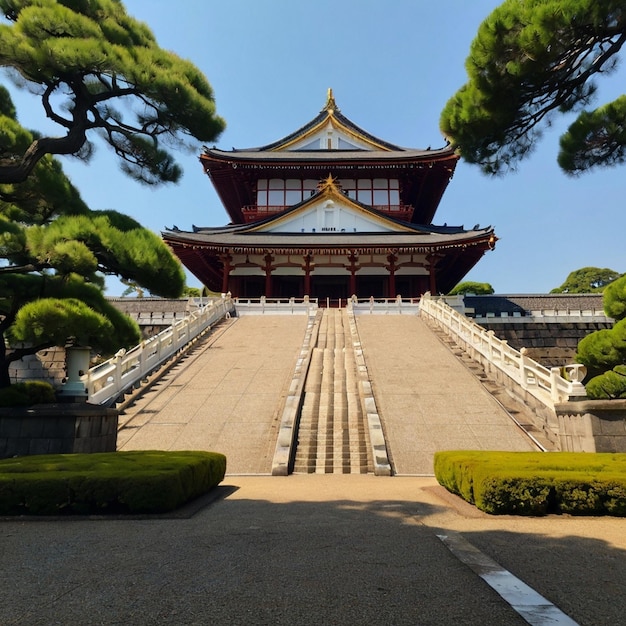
column 27, row 393
column 107, row 482
column 536, row 483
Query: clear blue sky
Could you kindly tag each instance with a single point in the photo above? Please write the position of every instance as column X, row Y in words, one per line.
column 392, row 65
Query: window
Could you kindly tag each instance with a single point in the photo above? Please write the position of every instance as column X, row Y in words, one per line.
column 377, row 192
column 280, row 193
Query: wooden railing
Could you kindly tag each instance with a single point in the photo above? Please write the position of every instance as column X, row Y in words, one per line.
column 547, row 385
column 126, row 369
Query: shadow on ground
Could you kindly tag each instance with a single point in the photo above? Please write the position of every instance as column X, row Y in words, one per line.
column 281, row 559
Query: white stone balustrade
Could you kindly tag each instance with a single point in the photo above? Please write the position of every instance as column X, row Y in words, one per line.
column 276, row 306
column 546, row 385
column 384, row 306
column 110, row 379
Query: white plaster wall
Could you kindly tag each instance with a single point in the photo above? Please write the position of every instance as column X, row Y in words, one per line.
column 330, row 216
column 320, row 140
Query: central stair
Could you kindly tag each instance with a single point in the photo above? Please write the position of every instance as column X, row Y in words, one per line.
column 332, row 434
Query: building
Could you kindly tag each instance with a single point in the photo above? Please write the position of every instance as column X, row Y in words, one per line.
column 330, row 211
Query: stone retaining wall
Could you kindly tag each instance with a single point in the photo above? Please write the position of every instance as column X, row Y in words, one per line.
column 592, row 425
column 552, row 344
column 57, row 429
column 47, row 365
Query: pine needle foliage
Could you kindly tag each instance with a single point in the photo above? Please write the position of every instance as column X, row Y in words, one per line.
column 54, row 255
column 532, row 60
column 98, row 70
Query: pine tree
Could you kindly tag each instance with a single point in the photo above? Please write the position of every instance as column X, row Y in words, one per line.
column 532, row 60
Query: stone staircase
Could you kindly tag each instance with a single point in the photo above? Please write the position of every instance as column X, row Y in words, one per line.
column 333, row 435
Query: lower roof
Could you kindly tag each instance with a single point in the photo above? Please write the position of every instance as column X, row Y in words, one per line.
column 420, row 239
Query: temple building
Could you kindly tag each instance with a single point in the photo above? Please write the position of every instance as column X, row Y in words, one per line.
column 330, row 211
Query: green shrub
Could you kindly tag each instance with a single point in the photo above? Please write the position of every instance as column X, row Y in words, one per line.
column 471, row 287
column 602, row 350
column 27, row 393
column 514, row 496
column 536, row 483
column 608, row 386
column 579, row 496
column 108, row 482
column 615, row 498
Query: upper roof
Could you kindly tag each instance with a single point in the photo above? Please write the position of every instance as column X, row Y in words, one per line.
column 343, row 133
column 330, row 117
column 331, row 142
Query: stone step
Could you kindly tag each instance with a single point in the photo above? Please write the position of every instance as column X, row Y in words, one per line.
column 333, row 436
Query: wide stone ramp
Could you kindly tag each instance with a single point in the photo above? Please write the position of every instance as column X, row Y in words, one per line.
column 427, row 399
column 332, row 434
column 224, row 396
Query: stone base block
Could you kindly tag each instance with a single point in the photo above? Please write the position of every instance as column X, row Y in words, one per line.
column 592, row 425
column 57, row 429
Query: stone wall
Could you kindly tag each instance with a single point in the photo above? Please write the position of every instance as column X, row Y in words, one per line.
column 155, row 314
column 549, row 326
column 551, row 343
column 57, row 429
column 47, row 365
column 592, row 425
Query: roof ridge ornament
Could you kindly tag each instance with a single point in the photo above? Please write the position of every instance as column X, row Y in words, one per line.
column 329, row 183
column 331, row 105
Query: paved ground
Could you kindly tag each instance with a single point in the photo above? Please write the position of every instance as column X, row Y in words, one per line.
column 427, row 399
column 310, row 549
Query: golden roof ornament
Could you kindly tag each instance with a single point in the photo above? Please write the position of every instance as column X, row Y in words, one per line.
column 329, row 183
column 331, row 105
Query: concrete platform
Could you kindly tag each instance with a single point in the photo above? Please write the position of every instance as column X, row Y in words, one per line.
column 226, row 395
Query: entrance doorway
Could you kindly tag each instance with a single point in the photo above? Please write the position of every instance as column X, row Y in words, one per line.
column 375, row 286
column 329, row 289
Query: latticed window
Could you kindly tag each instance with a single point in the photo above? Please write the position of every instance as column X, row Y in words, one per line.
column 378, row 192
column 277, row 192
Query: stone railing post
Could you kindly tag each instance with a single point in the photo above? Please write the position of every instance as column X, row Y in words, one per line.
column 555, row 375
column 522, row 366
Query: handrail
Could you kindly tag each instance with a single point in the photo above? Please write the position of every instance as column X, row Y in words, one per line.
column 275, row 306
column 378, row 306
column 547, row 385
column 109, row 379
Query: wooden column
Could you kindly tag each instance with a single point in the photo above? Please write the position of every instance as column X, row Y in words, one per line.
column 391, row 268
column 354, row 267
column 225, row 259
column 432, row 282
column 432, row 264
column 307, row 268
column 268, row 274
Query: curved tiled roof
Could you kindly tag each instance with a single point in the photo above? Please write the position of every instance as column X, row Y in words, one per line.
column 256, row 154
column 330, row 113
